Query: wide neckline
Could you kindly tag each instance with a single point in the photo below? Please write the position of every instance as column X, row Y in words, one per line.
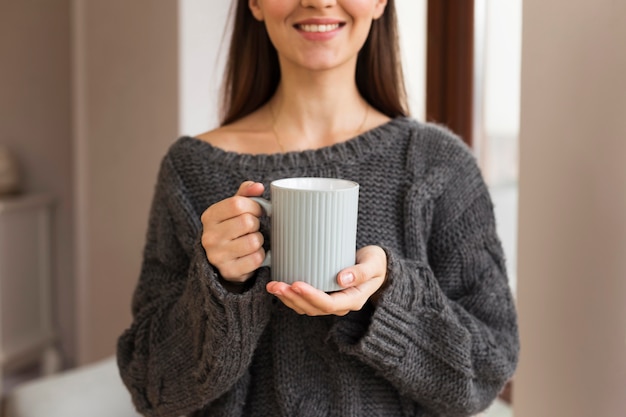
column 352, row 149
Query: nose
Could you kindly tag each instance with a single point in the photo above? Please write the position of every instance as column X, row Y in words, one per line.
column 319, row 4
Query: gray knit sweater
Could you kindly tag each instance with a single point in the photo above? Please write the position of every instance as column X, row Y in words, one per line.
column 441, row 340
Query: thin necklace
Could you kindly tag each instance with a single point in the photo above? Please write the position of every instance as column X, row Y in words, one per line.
column 280, row 144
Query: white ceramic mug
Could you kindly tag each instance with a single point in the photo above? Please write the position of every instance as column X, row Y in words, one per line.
column 313, row 234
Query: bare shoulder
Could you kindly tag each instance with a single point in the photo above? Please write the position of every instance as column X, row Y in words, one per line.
column 247, row 135
column 219, row 137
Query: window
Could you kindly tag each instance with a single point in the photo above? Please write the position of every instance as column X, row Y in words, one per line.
column 497, row 58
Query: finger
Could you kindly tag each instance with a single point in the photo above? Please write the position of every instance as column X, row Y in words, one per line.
column 305, row 299
column 235, row 205
column 232, row 250
column 354, row 298
column 289, row 302
column 224, row 236
column 316, row 302
column 339, row 302
column 238, row 227
column 359, row 274
column 248, row 244
column 294, row 302
column 292, row 299
column 241, row 269
column 250, row 189
column 276, row 287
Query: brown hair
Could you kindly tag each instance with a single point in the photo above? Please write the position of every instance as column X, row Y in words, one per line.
column 252, row 70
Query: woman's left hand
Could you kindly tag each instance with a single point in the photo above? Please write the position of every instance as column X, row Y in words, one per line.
column 360, row 282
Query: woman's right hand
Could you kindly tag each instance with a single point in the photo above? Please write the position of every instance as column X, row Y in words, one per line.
column 231, row 237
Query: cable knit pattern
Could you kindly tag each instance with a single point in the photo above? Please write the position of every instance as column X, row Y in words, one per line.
column 441, row 341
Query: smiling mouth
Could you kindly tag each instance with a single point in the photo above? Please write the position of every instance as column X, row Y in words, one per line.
column 319, row 28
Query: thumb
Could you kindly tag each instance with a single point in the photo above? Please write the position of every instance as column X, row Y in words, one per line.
column 351, row 277
column 250, row 189
column 371, row 265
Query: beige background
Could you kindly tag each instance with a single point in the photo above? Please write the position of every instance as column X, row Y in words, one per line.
column 35, row 123
column 125, row 109
column 89, row 95
column 572, row 210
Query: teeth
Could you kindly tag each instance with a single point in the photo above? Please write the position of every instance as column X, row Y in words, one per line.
column 319, row 28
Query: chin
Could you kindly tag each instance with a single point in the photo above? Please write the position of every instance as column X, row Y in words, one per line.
column 324, row 62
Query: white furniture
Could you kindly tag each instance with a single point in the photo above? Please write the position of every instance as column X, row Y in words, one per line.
column 94, row 390
column 26, row 332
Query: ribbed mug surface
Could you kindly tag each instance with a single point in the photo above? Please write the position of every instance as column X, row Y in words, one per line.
column 314, row 223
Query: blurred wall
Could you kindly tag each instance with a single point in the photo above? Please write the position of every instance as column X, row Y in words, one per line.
column 35, row 123
column 572, row 214
column 89, row 104
column 202, row 49
column 412, row 18
column 126, row 115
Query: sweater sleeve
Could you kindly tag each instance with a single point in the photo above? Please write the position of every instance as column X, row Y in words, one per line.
column 190, row 340
column 444, row 331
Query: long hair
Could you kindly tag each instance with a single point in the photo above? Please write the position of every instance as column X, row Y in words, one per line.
column 252, row 70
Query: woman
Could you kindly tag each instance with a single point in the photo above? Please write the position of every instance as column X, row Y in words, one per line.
column 425, row 324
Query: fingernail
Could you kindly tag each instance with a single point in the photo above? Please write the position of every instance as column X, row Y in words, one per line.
column 272, row 290
column 297, row 290
column 347, row 279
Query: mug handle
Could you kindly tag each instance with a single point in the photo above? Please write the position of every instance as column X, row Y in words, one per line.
column 266, row 205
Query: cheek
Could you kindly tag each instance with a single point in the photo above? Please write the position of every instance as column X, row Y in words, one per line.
column 275, row 15
column 361, row 13
column 360, row 9
column 277, row 10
